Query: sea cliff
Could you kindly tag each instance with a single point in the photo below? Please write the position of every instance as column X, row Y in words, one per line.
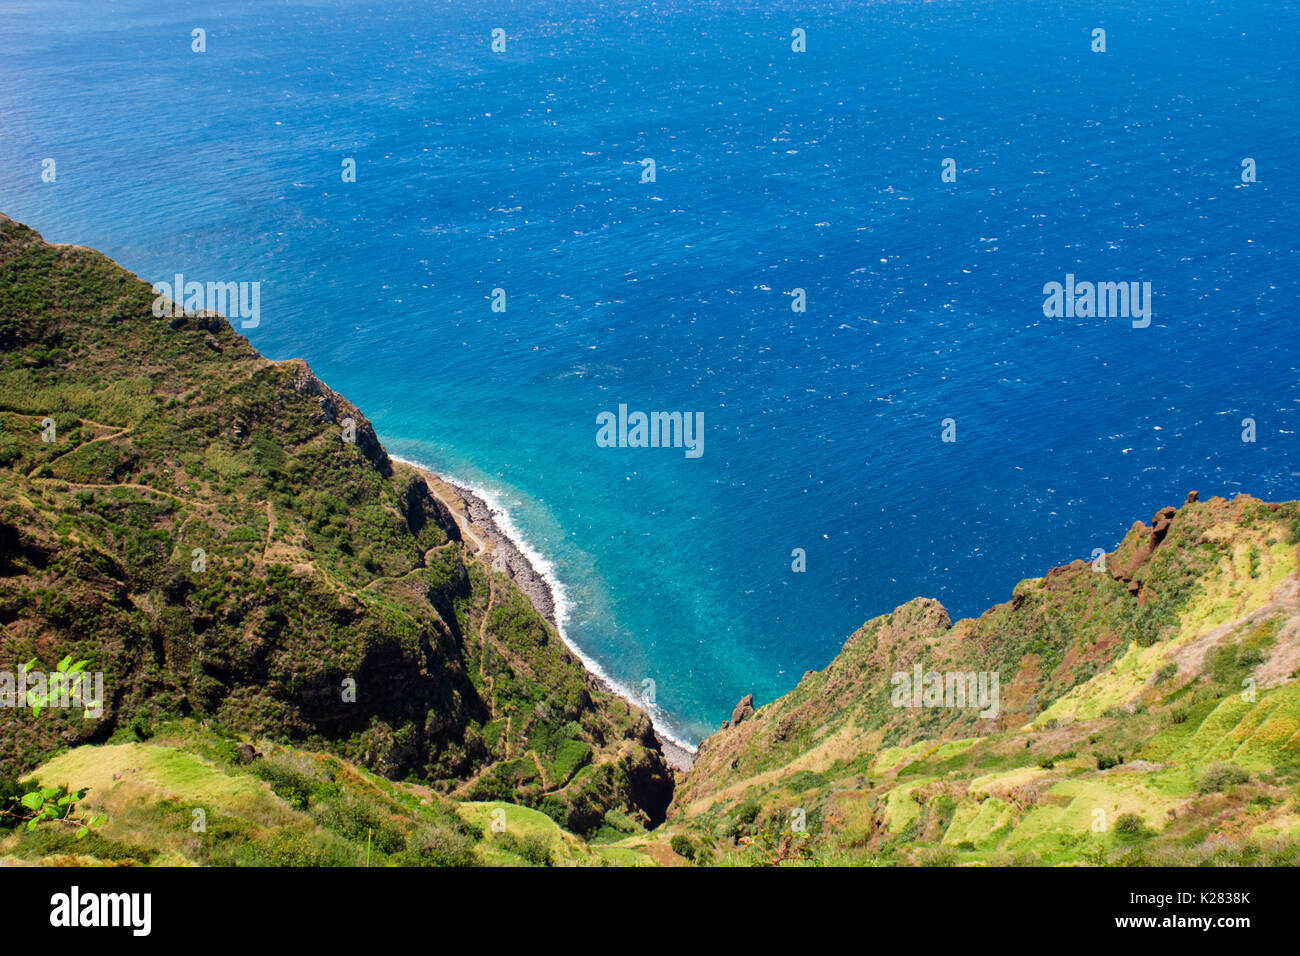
column 226, row 539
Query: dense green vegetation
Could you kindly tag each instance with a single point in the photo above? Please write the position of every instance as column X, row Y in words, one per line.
column 205, row 796
column 192, row 520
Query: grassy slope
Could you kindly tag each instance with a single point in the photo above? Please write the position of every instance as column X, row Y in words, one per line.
column 183, row 797
column 1142, row 663
column 322, row 561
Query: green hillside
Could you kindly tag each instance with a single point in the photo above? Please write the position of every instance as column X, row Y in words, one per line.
column 192, row 520
column 1149, row 713
column 188, row 796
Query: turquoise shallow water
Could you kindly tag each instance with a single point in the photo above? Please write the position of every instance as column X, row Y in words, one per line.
column 775, row 171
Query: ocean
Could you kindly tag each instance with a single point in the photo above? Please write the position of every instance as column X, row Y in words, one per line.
column 774, row 171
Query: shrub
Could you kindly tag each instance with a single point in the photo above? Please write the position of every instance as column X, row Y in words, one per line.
column 534, row 850
column 941, row 856
column 682, row 846
column 1129, row 824
column 140, row 727
column 1219, row 777
column 287, row 782
column 438, row 847
column 295, row 848
column 1106, row 761
column 1135, row 856
column 1050, row 762
column 1250, row 657
column 354, row 820
column 569, row 757
column 943, row 806
column 47, row 841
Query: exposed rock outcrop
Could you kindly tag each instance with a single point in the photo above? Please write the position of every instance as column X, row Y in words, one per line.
column 335, row 409
column 743, row 709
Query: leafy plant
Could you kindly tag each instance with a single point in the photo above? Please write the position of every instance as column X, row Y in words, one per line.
column 1106, row 761
column 66, row 681
column 50, row 804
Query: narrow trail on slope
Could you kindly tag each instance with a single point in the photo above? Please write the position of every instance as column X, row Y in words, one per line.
column 85, row 421
column 463, row 525
column 482, row 651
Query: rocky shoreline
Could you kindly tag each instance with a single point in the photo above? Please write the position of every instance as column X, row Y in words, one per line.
column 504, row 555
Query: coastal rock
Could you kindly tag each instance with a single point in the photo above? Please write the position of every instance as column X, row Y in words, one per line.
column 335, row 408
column 1086, row 624
column 211, row 321
column 896, row 629
column 743, row 709
column 785, row 729
column 1160, row 525
column 1192, row 497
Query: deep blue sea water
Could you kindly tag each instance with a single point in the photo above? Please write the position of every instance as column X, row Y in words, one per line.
column 775, row 170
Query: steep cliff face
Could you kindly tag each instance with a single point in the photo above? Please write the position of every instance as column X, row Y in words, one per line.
column 224, row 537
column 1189, row 629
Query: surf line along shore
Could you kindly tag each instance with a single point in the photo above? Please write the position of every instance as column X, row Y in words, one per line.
column 482, row 532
